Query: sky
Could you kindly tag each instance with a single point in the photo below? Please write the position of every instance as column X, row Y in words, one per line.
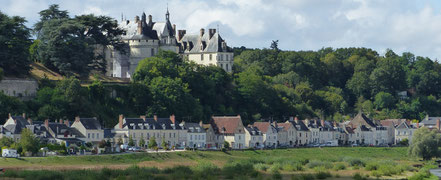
column 401, row 25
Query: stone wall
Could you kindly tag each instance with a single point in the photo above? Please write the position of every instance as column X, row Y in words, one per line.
column 23, row 88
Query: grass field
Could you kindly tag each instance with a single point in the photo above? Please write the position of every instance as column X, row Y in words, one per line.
column 304, row 163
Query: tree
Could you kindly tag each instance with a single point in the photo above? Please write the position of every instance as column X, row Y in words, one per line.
column 226, row 145
column 14, row 45
column 152, row 143
column 425, row 144
column 28, row 141
column 388, row 76
column 6, row 142
column 275, row 45
column 131, row 142
column 384, row 100
column 164, row 144
column 142, row 143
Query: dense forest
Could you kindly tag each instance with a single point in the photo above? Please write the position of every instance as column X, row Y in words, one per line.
column 266, row 83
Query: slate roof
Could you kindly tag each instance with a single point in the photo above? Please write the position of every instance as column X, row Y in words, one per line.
column 225, row 124
column 58, row 128
column 429, row 120
column 193, row 127
column 150, row 123
column 284, row 126
column 254, row 131
column 299, row 125
column 213, row 44
column 404, row 125
column 108, row 133
column 90, row 123
column 21, row 123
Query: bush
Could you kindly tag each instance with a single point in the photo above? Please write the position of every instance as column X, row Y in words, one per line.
column 355, row 162
column 275, row 167
column 358, row 176
column 303, row 177
column 235, row 169
column 293, row 167
column 315, row 163
column 339, row 166
column 277, row 175
column 323, row 175
column 261, row 166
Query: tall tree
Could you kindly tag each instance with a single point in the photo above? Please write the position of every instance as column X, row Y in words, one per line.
column 14, row 45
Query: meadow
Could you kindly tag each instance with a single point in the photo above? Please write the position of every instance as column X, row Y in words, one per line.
column 302, row 163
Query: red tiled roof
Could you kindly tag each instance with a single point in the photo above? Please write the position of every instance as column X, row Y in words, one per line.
column 284, row 125
column 226, row 124
column 262, row 126
column 392, row 122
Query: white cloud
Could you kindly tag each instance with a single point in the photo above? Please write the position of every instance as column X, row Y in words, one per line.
column 403, row 25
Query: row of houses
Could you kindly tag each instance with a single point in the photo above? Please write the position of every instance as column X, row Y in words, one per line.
column 268, row 134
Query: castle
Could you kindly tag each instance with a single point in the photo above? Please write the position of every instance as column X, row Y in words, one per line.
column 144, row 38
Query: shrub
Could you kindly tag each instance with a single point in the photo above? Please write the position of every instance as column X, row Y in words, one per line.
column 371, row 166
column 261, row 166
column 235, row 169
column 293, row 167
column 275, row 167
column 376, row 174
column 339, row 166
column 277, row 175
column 303, row 177
column 358, row 176
column 316, row 163
column 323, row 175
column 356, row 162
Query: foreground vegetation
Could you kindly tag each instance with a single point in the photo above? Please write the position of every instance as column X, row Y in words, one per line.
column 305, row 163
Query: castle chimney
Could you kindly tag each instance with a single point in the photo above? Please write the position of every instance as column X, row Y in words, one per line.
column 46, row 123
column 211, row 32
column 155, row 117
column 120, row 122
column 173, row 119
column 136, row 19
column 139, row 30
column 174, row 29
column 202, row 32
column 66, row 122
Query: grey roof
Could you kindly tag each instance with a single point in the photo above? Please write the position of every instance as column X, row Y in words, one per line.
column 58, row 128
column 194, row 43
column 108, row 133
column 299, row 125
column 430, row 120
column 149, row 123
column 90, row 123
column 193, row 127
column 254, row 130
column 404, row 125
column 361, row 119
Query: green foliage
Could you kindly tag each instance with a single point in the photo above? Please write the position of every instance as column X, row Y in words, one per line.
column 142, row 143
column 425, row 144
column 6, row 142
column 14, row 45
column 28, row 141
column 384, row 100
column 164, row 144
column 152, row 143
column 226, row 145
column 131, row 142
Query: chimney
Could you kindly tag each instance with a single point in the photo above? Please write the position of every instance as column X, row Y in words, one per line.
column 275, row 124
column 335, row 123
column 224, row 46
column 136, row 19
column 77, row 119
column 322, row 122
column 120, row 122
column 66, row 122
column 418, row 125
column 174, row 29
column 9, row 115
column 46, row 123
column 30, row 121
column 155, row 117
column 150, row 20
column 202, row 32
column 142, row 117
column 211, row 32
column 173, row 119
column 201, row 124
column 139, row 30
column 60, row 121
column 296, row 119
column 24, row 115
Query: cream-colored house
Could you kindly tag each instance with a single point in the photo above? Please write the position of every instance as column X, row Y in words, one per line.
column 146, row 128
column 231, row 129
column 253, row 137
column 196, row 135
column 207, row 49
column 90, row 128
column 287, row 134
column 269, row 131
column 214, row 141
column 404, row 131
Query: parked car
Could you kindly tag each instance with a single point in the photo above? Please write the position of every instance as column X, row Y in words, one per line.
column 354, row 145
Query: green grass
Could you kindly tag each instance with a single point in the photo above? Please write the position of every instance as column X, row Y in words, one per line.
column 273, row 164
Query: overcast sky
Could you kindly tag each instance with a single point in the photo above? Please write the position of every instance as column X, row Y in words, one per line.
column 402, row 25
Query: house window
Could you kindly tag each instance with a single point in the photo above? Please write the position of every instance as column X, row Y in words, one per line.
column 202, row 57
column 169, row 135
column 97, row 135
column 211, row 57
column 226, row 65
column 174, row 135
column 93, row 136
column 88, row 135
column 191, row 137
column 153, row 52
column 148, row 135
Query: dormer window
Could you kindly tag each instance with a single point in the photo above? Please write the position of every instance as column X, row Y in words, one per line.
column 163, row 126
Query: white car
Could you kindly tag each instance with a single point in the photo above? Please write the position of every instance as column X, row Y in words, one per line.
column 10, row 153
